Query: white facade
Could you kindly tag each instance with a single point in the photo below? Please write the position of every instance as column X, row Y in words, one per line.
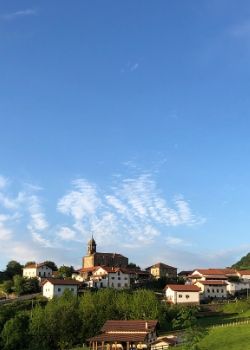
column 177, row 295
column 233, row 287
column 212, row 289
column 55, row 289
column 37, row 270
column 110, row 277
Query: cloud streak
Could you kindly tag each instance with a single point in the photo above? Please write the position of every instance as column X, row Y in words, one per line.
column 18, row 14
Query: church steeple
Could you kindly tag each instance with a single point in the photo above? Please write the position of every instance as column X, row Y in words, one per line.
column 91, row 246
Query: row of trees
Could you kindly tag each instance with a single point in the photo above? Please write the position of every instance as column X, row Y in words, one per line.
column 68, row 321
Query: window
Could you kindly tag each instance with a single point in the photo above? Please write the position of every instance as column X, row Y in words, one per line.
column 180, row 295
column 125, row 278
column 222, row 291
column 217, row 290
column 59, row 289
column 119, row 278
column 187, row 296
column 208, row 290
column 119, row 285
column 72, row 289
column 118, row 273
column 39, row 273
column 212, row 290
column 112, row 278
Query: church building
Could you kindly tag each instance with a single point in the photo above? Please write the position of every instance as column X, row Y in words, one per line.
column 94, row 258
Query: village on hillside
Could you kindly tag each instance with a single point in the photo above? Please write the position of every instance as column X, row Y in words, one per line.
column 186, row 290
column 112, row 270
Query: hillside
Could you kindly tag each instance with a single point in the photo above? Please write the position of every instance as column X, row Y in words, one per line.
column 243, row 263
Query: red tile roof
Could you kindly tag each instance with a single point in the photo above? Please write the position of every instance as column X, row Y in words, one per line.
column 243, row 272
column 183, row 287
column 226, row 271
column 159, row 264
column 129, row 325
column 213, row 283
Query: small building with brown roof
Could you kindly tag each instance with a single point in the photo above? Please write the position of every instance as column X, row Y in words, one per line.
column 187, row 294
column 125, row 335
column 37, row 270
column 53, row 287
column 162, row 270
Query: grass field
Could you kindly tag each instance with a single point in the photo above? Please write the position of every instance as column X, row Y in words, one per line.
column 227, row 338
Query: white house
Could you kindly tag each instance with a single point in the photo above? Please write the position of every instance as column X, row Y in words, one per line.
column 182, row 294
column 111, row 277
column 233, row 287
column 37, row 270
column 212, row 289
column 244, row 275
column 211, row 274
column 55, row 287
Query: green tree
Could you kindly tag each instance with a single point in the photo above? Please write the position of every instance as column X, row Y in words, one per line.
column 29, row 263
column 51, row 264
column 13, row 268
column 31, row 285
column 7, row 286
column 185, row 318
column 19, row 283
column 65, row 271
column 15, row 333
column 57, row 325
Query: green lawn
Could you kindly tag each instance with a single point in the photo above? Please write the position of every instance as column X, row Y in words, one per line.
column 227, row 338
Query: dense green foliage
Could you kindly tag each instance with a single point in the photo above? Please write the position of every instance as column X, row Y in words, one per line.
column 243, row 263
column 68, row 321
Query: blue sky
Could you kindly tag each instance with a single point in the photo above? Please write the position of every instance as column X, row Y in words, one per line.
column 128, row 120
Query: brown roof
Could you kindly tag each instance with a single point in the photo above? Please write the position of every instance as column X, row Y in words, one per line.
column 159, row 264
column 225, row 271
column 120, row 337
column 183, row 287
column 129, row 325
column 213, row 282
column 110, row 254
column 34, row 266
column 57, row 281
column 243, row 272
column 88, row 269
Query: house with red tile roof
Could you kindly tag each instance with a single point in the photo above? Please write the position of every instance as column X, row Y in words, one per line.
column 125, row 335
column 53, row 287
column 212, row 274
column 212, row 289
column 187, row 294
column 110, row 277
column 37, row 270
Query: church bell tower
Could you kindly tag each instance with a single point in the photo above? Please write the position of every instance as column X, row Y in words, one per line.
column 91, row 246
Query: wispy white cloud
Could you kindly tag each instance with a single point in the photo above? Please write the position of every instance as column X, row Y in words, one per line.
column 133, row 210
column 241, row 30
column 130, row 67
column 3, row 182
column 66, row 233
column 38, row 221
column 18, row 14
column 130, row 213
column 81, row 202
